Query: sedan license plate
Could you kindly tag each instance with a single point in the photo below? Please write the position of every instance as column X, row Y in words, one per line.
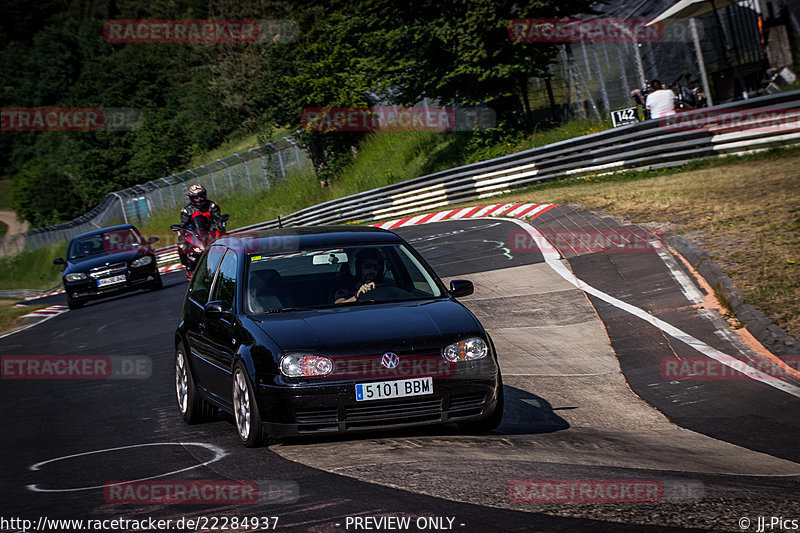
column 400, row 388
column 111, row 281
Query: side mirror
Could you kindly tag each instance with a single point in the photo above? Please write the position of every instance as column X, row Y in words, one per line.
column 224, row 218
column 175, row 227
column 153, row 239
column 461, row 287
column 59, row 261
column 218, row 309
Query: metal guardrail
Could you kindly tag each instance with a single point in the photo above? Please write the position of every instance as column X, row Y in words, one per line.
column 642, row 146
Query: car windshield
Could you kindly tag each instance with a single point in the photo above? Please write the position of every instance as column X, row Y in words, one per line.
column 109, row 242
column 337, row 277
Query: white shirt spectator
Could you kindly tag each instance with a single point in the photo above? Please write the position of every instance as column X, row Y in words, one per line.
column 660, row 103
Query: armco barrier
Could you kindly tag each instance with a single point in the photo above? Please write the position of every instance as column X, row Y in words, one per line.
column 641, row 146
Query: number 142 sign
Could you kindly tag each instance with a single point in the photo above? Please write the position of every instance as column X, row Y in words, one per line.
column 623, row 117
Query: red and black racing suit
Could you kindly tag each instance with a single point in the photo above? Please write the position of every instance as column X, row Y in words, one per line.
column 207, row 209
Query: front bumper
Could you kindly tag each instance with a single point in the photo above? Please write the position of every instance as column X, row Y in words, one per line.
column 139, row 278
column 332, row 408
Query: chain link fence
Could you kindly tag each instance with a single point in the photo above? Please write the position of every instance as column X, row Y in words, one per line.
column 254, row 170
column 715, row 52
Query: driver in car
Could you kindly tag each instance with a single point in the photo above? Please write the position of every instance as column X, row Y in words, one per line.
column 369, row 272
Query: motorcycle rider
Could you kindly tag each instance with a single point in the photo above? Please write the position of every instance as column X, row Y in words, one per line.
column 199, row 206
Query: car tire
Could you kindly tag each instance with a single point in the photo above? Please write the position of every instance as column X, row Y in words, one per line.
column 193, row 408
column 158, row 284
column 245, row 409
column 73, row 303
column 489, row 423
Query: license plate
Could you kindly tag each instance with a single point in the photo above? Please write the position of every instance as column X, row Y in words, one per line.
column 111, row 281
column 400, row 388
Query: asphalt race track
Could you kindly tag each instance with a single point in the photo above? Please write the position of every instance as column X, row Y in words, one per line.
column 587, row 400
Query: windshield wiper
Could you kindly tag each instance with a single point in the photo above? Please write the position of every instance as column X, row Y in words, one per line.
column 289, row 309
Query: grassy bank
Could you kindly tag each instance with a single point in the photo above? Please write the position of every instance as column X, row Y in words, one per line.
column 31, row 269
column 9, row 315
column 744, row 212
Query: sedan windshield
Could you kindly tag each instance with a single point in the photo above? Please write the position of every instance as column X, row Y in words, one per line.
column 110, row 242
column 336, row 277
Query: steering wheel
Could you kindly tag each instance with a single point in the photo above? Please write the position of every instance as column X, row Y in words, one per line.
column 382, row 292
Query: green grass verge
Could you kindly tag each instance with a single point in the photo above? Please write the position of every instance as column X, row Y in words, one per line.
column 31, row 269
column 3, row 229
column 9, row 315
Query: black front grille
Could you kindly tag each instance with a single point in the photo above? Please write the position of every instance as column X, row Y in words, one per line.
column 110, row 270
column 468, row 404
column 316, row 416
column 388, row 413
column 314, row 420
column 393, row 412
column 393, row 409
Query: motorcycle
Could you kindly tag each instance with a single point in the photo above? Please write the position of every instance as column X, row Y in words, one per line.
column 193, row 240
column 687, row 98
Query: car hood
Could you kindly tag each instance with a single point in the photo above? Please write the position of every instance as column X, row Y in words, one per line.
column 404, row 327
column 83, row 264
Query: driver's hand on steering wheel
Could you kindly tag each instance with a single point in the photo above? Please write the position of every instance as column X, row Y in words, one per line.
column 365, row 288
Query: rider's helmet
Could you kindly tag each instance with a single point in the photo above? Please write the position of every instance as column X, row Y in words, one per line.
column 197, row 195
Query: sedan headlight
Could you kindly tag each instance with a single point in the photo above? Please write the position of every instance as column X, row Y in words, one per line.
column 466, row 350
column 299, row 365
column 142, row 261
column 77, row 276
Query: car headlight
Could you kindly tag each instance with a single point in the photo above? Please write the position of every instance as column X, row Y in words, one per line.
column 142, row 261
column 466, row 350
column 300, row 365
column 77, row 276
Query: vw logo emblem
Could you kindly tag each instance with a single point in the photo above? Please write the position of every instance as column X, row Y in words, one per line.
column 390, row 360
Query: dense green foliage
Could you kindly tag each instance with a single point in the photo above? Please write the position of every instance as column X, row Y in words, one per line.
column 194, row 97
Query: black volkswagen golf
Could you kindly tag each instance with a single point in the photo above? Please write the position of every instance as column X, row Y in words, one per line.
column 330, row 329
column 108, row 261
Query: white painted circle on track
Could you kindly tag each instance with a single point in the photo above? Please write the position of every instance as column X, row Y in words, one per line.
column 219, row 453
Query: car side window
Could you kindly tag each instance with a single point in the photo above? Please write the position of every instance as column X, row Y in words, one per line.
column 204, row 274
column 225, row 284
